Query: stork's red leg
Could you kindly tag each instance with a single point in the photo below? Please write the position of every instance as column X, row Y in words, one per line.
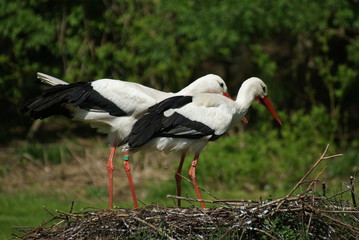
column 127, row 166
column 179, row 178
column 110, row 176
column 192, row 175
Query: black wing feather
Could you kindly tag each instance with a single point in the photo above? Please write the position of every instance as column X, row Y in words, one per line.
column 177, row 126
column 150, row 124
column 82, row 95
column 155, row 124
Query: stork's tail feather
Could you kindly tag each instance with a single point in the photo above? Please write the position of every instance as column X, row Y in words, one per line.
column 53, row 100
column 49, row 80
column 63, row 99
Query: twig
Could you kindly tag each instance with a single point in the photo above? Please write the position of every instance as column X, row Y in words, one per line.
column 242, row 234
column 233, row 202
column 339, row 211
column 352, row 185
column 322, row 157
column 48, row 221
column 309, row 222
column 153, row 227
column 228, row 231
column 189, row 180
column 311, row 181
column 264, row 232
column 72, row 206
column 312, row 168
column 316, row 178
column 332, row 218
column 73, row 215
column 49, row 212
column 339, row 193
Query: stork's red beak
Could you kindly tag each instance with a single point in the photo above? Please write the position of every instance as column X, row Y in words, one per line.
column 265, row 101
column 227, row 95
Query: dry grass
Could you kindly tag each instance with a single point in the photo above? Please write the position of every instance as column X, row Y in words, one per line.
column 87, row 169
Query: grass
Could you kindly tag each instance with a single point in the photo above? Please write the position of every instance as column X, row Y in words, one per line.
column 26, row 209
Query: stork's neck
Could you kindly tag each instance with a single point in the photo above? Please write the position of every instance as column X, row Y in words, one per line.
column 190, row 89
column 244, row 99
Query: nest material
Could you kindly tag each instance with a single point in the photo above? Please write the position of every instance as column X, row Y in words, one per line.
column 304, row 216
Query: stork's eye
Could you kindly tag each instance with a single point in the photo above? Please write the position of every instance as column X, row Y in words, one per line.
column 264, row 89
column 221, row 84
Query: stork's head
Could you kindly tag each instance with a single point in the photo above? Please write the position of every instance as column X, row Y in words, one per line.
column 255, row 88
column 209, row 83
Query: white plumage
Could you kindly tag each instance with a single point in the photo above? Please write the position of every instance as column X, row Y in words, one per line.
column 190, row 122
column 134, row 99
column 111, row 106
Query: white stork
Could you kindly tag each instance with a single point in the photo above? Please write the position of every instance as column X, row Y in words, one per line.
column 111, row 106
column 181, row 123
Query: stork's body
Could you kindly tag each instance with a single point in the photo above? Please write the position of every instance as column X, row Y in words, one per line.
column 111, row 106
column 181, row 123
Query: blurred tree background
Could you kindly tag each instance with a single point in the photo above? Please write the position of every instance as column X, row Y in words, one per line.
column 307, row 52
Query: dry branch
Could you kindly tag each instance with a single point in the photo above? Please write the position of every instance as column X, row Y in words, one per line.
column 352, row 191
column 322, row 157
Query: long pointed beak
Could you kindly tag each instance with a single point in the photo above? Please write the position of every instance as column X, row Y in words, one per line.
column 227, row 95
column 265, row 101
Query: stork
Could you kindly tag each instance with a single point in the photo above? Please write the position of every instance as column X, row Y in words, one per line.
column 111, row 106
column 181, row 123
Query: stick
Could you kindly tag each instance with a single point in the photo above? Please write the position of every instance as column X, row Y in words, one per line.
column 150, row 225
column 332, row 218
column 352, row 182
column 49, row 212
column 212, row 201
column 316, row 178
column 228, row 231
column 264, row 232
column 309, row 172
column 324, row 188
column 312, row 168
column 339, row 211
column 339, row 193
column 188, row 180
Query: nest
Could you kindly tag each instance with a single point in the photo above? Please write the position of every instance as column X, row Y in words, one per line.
column 299, row 216
column 304, row 216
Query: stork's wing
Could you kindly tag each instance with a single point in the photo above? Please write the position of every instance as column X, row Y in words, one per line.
column 162, row 120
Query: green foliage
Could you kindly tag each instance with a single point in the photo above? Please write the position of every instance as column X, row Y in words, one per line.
column 51, row 153
column 96, row 192
column 165, row 44
column 161, row 43
column 286, row 227
column 265, row 65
